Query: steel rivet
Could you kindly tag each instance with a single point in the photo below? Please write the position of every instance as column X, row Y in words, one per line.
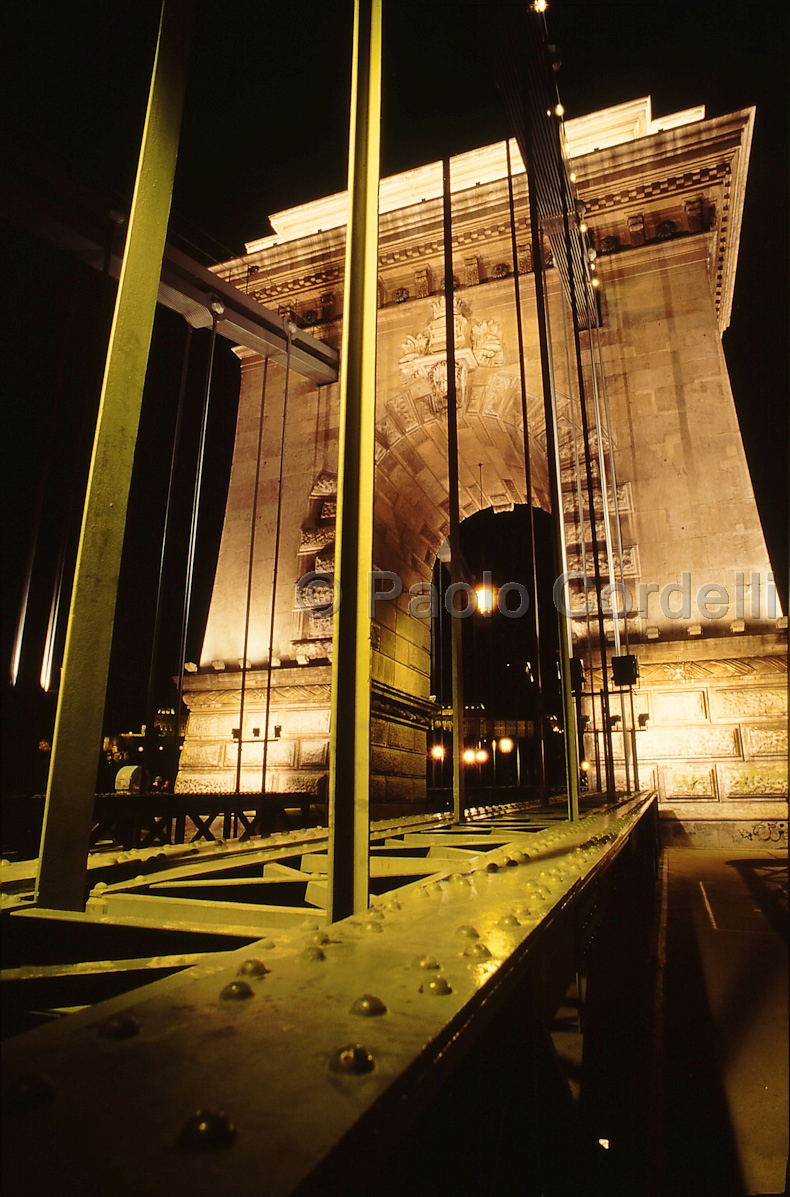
column 438, row 987
column 425, row 962
column 394, row 905
column 120, row 1026
column 373, row 927
column 141, row 877
column 236, row 991
column 468, row 932
column 99, row 888
column 29, row 1091
column 375, row 913
column 253, row 968
column 309, row 925
column 368, row 1006
column 510, row 863
column 353, row 1058
column 477, row 949
column 313, row 953
column 318, row 937
column 509, row 920
column 208, row 1130
column 266, row 944
column 492, row 867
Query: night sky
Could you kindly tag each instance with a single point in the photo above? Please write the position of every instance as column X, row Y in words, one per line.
column 265, row 128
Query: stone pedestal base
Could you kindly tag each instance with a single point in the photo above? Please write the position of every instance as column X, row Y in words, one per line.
column 297, row 759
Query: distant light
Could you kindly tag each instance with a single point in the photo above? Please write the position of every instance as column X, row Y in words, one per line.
column 573, row 176
column 540, row 5
column 469, row 756
column 582, row 227
column 437, row 752
column 559, row 110
column 481, row 755
column 506, row 744
column 585, row 766
column 485, row 600
column 596, row 282
column 604, row 1143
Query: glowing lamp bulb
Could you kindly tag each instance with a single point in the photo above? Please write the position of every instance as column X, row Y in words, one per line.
column 506, row 744
column 485, row 600
column 596, row 282
column 540, row 5
column 573, row 176
column 481, row 755
column 585, row 766
column 469, row 756
column 582, row 227
column 559, row 110
column 437, row 752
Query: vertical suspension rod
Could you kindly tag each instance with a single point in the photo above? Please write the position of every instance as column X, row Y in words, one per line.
column 250, row 568
column 195, row 517
column 571, row 748
column 150, row 705
column 456, row 625
column 289, row 329
column 608, row 762
column 544, row 794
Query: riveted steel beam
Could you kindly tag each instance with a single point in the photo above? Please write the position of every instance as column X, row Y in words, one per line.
column 78, row 723
column 349, row 765
column 308, row 1051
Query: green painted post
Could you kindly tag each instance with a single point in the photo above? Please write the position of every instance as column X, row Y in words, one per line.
column 349, row 773
column 78, row 722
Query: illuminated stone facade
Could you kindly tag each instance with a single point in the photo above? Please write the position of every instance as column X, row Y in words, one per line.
column 663, row 205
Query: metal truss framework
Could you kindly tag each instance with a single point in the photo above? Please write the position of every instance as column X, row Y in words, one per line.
column 355, row 1028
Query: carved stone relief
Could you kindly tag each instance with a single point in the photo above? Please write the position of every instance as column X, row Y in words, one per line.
column 692, row 782
column 765, row 741
column 753, row 702
column 657, row 742
column 679, row 706
column 752, row 780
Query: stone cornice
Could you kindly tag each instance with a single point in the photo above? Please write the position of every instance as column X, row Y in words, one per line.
column 649, row 171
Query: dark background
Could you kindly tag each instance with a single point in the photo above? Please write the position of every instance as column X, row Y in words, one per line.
column 265, row 128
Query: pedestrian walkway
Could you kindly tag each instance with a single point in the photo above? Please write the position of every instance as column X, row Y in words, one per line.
column 722, row 1022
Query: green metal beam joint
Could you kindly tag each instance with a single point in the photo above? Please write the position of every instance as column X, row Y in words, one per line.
column 83, row 685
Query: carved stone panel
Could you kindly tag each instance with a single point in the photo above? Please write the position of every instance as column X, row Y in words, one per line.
column 752, row 780
column 304, row 723
column 656, row 743
column 679, row 706
column 693, row 781
column 205, row 756
column 765, row 741
column 313, row 754
column 753, row 702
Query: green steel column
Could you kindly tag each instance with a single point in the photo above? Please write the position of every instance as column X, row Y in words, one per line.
column 349, row 775
column 78, row 723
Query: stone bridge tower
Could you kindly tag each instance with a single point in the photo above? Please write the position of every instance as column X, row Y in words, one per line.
column 663, row 205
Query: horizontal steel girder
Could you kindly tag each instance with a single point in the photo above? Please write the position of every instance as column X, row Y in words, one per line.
column 52, row 207
column 264, row 1052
